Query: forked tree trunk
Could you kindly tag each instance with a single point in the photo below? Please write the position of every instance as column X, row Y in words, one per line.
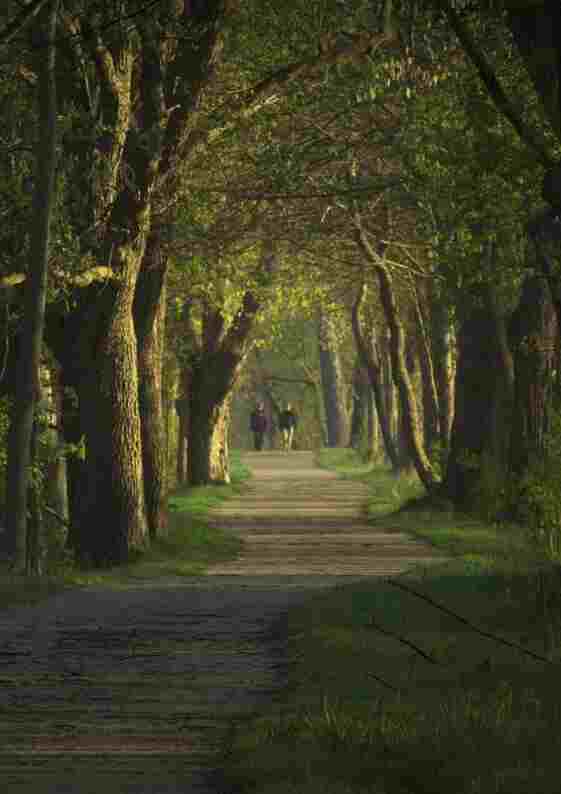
column 371, row 361
column 401, row 375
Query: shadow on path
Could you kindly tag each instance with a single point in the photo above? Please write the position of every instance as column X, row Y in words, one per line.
column 132, row 690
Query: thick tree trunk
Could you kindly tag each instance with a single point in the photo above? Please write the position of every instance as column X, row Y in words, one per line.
column 22, row 416
column 113, row 520
column 533, row 333
column 209, row 422
column 332, row 384
column 149, row 317
column 498, row 444
column 399, row 365
column 219, row 445
column 475, row 393
column 371, row 361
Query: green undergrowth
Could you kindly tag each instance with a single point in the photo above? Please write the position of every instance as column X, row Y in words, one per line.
column 388, row 694
column 189, row 546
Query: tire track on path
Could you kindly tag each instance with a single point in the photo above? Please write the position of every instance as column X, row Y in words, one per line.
column 133, row 689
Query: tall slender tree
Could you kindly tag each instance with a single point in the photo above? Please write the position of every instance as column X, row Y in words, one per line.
column 27, row 387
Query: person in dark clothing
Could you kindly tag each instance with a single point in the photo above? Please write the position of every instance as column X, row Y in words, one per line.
column 287, row 423
column 258, row 426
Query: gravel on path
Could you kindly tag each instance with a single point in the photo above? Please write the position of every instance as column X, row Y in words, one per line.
column 134, row 689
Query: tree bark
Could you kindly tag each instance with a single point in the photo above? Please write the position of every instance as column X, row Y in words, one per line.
column 149, row 316
column 399, row 365
column 534, row 333
column 113, row 522
column 475, row 392
column 212, row 369
column 56, row 491
column 332, row 384
column 361, row 395
column 22, row 417
column 371, row 361
column 372, row 428
column 431, row 415
column 211, row 383
column 443, row 358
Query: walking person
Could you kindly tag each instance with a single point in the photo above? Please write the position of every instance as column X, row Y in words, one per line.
column 287, row 423
column 258, row 426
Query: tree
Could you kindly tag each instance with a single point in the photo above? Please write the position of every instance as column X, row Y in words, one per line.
column 371, row 361
column 27, row 386
column 140, row 95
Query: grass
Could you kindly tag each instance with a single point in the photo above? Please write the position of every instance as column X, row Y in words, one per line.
column 190, row 545
column 363, row 711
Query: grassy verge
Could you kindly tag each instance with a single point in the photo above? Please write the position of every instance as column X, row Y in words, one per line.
column 389, row 695
column 190, row 545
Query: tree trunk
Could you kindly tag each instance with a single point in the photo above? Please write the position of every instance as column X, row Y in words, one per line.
column 149, row 316
column 182, row 405
column 428, row 378
column 361, row 395
column 475, row 389
column 35, row 542
column 399, row 364
column 113, row 522
column 443, row 359
column 371, row 361
column 35, row 291
column 537, row 30
column 390, row 401
column 372, row 429
column 211, row 382
column 332, row 384
column 534, row 334
column 219, row 445
column 56, row 491
column 503, row 398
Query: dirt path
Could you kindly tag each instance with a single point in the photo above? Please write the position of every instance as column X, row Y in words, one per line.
column 132, row 690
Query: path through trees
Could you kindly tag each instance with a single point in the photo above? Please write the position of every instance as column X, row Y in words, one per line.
column 132, row 689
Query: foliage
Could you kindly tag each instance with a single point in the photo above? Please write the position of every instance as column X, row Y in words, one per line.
column 536, row 497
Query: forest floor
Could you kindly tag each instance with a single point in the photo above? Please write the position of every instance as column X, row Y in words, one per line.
column 137, row 687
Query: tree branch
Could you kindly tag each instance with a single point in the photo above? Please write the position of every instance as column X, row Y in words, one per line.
column 21, row 20
column 493, row 86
